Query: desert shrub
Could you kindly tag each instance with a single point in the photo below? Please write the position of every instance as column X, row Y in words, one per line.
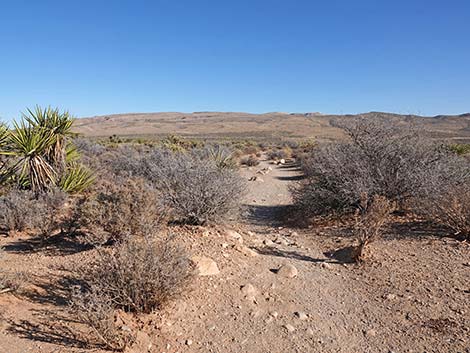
column 139, row 274
column 379, row 159
column 371, row 218
column 447, row 201
column 277, row 154
column 95, row 310
column 251, row 149
column 460, row 148
column 16, row 208
column 22, row 210
column 88, row 147
column 193, row 187
column 47, row 212
column 118, row 208
column 249, row 161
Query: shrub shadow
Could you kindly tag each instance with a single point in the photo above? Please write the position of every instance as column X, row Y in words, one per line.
column 272, row 251
column 291, row 178
column 50, row 328
column 59, row 244
column 267, row 215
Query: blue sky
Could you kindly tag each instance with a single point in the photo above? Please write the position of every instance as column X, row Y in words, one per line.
column 102, row 57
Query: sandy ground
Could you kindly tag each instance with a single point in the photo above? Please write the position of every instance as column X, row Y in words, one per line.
column 412, row 296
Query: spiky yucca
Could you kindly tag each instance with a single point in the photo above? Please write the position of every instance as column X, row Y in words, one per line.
column 76, row 179
column 59, row 125
column 30, row 145
column 40, row 153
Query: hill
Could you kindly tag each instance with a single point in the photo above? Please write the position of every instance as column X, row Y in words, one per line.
column 257, row 126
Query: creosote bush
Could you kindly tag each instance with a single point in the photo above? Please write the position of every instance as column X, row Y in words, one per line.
column 449, row 207
column 249, row 161
column 22, row 210
column 120, row 207
column 378, row 159
column 193, row 187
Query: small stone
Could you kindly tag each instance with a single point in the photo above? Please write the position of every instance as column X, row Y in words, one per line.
column 189, row 342
column 294, row 234
column 268, row 242
column 371, row 333
column 246, row 250
column 390, row 296
column 289, row 328
column 205, row 266
column 326, row 265
column 248, row 290
column 310, row 332
column 288, row 271
column 301, row 315
column 274, row 314
column 235, row 235
column 282, row 161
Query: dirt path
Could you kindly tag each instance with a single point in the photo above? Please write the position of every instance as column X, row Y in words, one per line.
column 414, row 300
column 268, row 195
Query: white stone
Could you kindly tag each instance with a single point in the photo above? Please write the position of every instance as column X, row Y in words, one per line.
column 205, row 266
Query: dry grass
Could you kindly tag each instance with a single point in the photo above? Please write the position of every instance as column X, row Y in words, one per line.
column 370, row 220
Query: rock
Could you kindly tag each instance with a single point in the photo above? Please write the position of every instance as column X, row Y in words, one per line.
column 288, row 271
column 310, row 332
column 301, row 315
column 205, row 266
column 235, row 235
column 289, row 328
column 274, row 314
column 326, row 265
column 390, row 296
column 282, row 161
column 370, row 333
column 189, row 342
column 268, row 242
column 248, row 290
column 246, row 250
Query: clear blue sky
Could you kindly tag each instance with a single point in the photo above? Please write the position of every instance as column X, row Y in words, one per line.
column 102, row 57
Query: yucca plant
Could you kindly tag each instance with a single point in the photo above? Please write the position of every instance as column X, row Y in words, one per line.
column 58, row 125
column 30, row 145
column 76, row 178
column 221, row 156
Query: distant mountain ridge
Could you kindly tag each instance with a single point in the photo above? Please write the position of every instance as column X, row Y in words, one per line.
column 248, row 125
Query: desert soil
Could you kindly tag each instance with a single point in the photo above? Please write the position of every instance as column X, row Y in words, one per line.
column 411, row 296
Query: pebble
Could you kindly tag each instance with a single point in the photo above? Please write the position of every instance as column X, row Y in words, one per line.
column 326, row 265
column 289, row 328
column 301, row 315
column 248, row 290
column 235, row 235
column 288, row 271
column 268, row 242
column 205, row 266
column 246, row 250
column 189, row 342
column 371, row 333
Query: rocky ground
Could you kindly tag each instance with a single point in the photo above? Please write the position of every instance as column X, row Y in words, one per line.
column 268, row 288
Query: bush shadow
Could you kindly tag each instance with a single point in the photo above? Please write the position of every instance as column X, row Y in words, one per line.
column 59, row 244
column 50, row 327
